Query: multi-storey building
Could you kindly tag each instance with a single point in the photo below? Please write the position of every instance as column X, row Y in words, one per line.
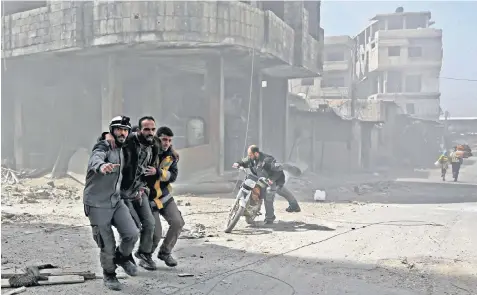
column 399, row 58
column 184, row 62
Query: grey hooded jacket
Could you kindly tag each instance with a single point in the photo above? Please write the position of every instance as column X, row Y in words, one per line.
column 103, row 190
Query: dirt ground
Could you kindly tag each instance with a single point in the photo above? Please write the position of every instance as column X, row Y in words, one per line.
column 387, row 237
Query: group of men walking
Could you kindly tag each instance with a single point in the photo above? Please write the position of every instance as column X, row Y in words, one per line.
column 128, row 186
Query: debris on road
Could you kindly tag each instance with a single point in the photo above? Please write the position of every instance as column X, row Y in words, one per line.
column 196, row 232
column 184, row 275
column 16, row 291
column 22, row 193
column 47, row 274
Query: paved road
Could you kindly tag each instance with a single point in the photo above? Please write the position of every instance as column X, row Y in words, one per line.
column 420, row 241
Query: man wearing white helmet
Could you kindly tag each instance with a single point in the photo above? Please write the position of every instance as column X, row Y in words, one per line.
column 104, row 207
column 140, row 153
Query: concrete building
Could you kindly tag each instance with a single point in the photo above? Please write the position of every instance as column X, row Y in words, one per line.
column 399, row 58
column 70, row 66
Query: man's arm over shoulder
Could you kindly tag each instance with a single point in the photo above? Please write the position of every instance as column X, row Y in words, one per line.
column 103, row 136
column 100, row 150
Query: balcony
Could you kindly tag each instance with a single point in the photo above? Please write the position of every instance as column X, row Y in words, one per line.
column 336, row 66
column 409, row 33
column 334, row 92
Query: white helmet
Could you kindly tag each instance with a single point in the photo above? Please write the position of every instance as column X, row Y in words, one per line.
column 120, row 122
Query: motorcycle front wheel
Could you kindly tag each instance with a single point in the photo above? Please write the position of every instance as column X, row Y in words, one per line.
column 234, row 216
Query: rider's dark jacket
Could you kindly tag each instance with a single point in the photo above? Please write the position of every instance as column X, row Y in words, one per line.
column 265, row 166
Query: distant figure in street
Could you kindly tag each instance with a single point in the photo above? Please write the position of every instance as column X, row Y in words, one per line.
column 456, row 162
column 444, row 164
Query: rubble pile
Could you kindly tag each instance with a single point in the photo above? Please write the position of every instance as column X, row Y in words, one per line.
column 21, row 193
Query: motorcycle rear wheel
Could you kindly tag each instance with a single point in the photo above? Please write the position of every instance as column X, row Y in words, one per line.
column 233, row 220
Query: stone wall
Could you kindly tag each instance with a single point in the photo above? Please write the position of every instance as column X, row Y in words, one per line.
column 53, row 27
column 70, row 25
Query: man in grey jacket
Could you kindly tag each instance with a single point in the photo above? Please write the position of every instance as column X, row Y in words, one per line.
column 104, row 207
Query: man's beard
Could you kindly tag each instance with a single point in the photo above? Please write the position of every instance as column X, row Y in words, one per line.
column 120, row 139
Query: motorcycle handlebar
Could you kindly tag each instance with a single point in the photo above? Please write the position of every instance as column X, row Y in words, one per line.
column 264, row 179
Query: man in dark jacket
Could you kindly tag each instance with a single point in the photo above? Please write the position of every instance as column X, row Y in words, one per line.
column 161, row 199
column 104, row 207
column 264, row 165
column 140, row 152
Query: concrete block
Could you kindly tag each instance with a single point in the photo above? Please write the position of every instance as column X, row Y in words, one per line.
column 126, row 11
column 160, row 25
column 195, row 24
column 110, row 25
column 118, row 25
column 169, row 8
column 103, row 27
column 151, row 23
column 96, row 28
column 66, row 4
column 159, row 8
column 55, row 6
column 135, row 25
column 102, row 10
column 126, row 24
column 194, row 9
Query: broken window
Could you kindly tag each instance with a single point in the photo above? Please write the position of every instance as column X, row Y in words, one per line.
column 414, row 52
column 307, row 81
column 337, row 55
column 410, row 109
column 333, row 82
column 394, row 51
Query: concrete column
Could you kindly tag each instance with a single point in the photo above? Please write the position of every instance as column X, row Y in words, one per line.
column 214, row 86
column 111, row 92
column 275, row 118
column 20, row 160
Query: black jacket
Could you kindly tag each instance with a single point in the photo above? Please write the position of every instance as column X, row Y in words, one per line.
column 131, row 149
column 265, row 166
column 166, row 166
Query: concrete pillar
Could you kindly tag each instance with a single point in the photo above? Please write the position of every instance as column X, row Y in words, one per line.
column 19, row 153
column 275, row 118
column 111, row 92
column 214, row 86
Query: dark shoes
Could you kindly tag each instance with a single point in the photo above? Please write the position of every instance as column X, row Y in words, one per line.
column 168, row 259
column 293, row 207
column 270, row 220
column 127, row 263
column 111, row 281
column 145, row 260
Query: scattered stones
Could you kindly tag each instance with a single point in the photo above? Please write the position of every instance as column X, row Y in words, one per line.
column 22, row 193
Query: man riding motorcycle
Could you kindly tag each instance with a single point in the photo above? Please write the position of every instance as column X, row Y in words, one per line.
column 263, row 165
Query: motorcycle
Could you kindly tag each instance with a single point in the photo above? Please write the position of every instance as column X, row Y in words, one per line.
column 247, row 201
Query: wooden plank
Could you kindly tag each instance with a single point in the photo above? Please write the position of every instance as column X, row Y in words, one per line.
column 88, row 275
column 16, row 291
column 53, row 280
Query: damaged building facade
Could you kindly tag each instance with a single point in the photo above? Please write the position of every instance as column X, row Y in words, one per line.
column 70, row 66
column 385, row 79
column 399, row 59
